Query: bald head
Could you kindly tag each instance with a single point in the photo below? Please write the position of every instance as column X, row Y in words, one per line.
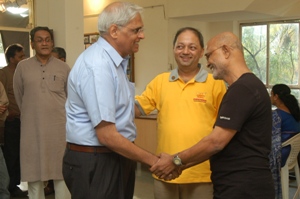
column 228, row 39
column 225, row 57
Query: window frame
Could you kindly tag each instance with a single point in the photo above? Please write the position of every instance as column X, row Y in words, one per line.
column 268, row 24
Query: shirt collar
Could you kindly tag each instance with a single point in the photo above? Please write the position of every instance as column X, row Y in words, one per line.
column 39, row 61
column 114, row 55
column 200, row 77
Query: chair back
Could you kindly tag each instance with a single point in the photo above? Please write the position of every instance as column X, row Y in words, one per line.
column 295, row 149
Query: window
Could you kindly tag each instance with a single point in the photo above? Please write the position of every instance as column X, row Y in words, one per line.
column 14, row 28
column 272, row 52
column 11, row 37
column 2, row 55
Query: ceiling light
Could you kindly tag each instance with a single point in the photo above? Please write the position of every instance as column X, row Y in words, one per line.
column 14, row 7
column 16, row 10
column 24, row 14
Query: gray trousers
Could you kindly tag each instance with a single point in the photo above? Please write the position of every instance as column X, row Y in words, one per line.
column 98, row 175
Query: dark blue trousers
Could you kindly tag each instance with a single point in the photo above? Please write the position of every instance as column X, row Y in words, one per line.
column 11, row 152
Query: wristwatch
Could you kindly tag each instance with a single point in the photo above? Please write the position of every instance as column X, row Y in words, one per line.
column 177, row 160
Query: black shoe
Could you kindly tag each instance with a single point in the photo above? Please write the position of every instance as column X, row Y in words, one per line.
column 48, row 190
column 292, row 177
column 18, row 193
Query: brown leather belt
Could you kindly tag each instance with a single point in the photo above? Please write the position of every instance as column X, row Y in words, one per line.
column 88, row 149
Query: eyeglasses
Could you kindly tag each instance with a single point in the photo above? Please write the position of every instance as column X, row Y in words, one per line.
column 207, row 55
column 136, row 30
column 40, row 40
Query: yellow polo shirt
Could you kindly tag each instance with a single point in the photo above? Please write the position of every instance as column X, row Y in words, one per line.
column 186, row 114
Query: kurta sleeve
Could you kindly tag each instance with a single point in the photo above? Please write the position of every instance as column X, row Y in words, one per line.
column 3, row 101
column 18, row 86
column 3, row 78
column 66, row 83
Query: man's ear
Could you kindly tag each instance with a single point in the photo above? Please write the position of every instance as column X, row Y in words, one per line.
column 32, row 45
column 226, row 50
column 202, row 52
column 113, row 30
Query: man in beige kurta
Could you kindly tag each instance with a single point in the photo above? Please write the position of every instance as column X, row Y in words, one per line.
column 40, row 91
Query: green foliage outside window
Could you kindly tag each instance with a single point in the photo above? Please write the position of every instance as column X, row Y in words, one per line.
column 272, row 52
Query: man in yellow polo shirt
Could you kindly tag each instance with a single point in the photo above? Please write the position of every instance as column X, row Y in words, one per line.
column 187, row 100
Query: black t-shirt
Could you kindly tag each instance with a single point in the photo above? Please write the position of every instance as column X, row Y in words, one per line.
column 241, row 169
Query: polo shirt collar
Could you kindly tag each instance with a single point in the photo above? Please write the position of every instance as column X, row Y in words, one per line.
column 200, row 77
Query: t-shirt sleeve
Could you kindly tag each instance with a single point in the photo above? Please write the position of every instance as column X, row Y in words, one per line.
column 147, row 100
column 236, row 107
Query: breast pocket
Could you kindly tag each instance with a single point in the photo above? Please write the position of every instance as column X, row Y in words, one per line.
column 55, row 83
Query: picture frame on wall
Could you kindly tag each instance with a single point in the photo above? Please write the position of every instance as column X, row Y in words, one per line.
column 130, row 68
column 90, row 38
column 93, row 38
column 86, row 39
column 87, row 45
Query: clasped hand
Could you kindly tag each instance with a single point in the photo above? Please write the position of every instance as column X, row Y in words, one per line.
column 3, row 108
column 165, row 169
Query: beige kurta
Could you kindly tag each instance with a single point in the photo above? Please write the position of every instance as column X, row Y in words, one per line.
column 3, row 101
column 40, row 92
column 6, row 77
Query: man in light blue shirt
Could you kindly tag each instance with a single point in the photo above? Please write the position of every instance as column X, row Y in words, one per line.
column 99, row 91
column 100, row 157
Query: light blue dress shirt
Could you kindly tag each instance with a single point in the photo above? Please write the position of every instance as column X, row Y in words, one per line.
column 99, row 90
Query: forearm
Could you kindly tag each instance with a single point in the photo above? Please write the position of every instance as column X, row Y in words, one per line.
column 203, row 150
column 111, row 138
column 208, row 146
column 198, row 153
column 137, row 111
column 189, row 157
column 128, row 149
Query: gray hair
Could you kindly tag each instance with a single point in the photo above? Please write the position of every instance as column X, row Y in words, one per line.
column 119, row 13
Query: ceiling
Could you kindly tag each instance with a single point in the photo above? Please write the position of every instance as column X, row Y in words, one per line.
column 233, row 10
column 212, row 12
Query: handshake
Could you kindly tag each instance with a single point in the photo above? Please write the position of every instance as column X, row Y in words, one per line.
column 165, row 168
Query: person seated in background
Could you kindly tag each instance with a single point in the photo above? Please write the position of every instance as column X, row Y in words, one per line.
column 59, row 53
column 286, row 124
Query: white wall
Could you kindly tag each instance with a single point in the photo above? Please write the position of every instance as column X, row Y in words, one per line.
column 156, row 50
column 70, row 19
column 162, row 18
column 65, row 17
column 152, row 57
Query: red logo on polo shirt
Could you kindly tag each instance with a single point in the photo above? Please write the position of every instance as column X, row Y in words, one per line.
column 200, row 97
